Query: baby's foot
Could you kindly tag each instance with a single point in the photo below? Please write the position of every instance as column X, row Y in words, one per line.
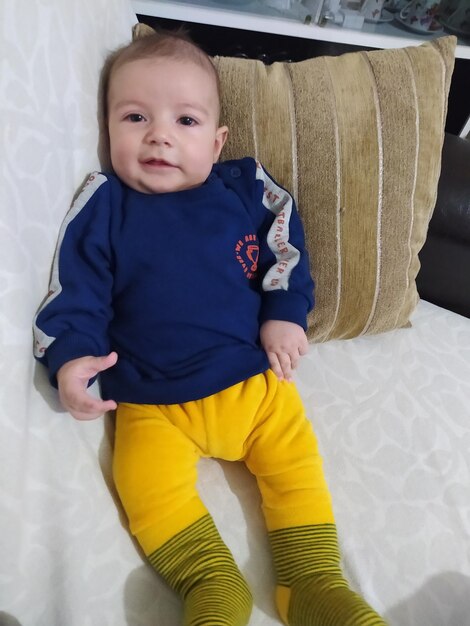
column 324, row 600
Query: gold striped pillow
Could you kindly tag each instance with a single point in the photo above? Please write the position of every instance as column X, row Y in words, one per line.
column 357, row 139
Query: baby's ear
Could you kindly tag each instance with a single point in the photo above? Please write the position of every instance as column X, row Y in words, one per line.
column 220, row 139
column 141, row 30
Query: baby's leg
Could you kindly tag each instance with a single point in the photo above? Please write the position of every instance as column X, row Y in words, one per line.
column 155, row 475
column 284, row 457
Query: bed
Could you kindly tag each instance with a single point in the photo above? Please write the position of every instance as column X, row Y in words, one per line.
column 390, row 407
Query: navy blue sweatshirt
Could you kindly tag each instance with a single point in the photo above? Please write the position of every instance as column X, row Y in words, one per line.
column 176, row 283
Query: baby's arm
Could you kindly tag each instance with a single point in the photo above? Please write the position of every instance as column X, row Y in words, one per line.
column 284, row 343
column 73, row 378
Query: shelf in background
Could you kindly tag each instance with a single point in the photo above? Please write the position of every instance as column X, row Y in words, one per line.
column 257, row 17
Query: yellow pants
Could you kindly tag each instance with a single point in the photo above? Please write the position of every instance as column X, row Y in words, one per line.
column 260, row 421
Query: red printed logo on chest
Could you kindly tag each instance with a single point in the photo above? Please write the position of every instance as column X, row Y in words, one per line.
column 247, row 253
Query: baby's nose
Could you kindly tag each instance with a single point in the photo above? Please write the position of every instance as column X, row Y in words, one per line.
column 159, row 133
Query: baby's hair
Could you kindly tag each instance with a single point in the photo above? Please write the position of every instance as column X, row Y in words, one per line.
column 175, row 45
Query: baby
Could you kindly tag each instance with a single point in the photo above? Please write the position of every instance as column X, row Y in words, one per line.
column 185, row 285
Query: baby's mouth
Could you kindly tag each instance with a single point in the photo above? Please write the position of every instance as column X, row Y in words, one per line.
column 157, row 163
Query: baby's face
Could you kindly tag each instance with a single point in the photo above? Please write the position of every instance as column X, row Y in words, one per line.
column 163, row 124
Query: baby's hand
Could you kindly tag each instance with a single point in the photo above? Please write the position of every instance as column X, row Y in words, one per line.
column 284, row 343
column 73, row 378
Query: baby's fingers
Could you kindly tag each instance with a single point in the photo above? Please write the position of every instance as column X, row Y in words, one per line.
column 89, row 408
column 92, row 414
column 274, row 364
column 281, row 365
column 96, row 364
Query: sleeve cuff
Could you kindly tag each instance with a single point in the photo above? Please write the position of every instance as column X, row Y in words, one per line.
column 285, row 306
column 70, row 346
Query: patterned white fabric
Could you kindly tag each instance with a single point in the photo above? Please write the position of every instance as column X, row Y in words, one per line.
column 391, row 411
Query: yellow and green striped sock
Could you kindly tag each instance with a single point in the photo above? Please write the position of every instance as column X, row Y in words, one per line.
column 198, row 565
column 311, row 588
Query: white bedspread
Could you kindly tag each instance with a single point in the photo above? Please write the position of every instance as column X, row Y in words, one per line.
column 391, row 412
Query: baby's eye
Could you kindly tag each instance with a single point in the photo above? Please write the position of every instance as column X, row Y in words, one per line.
column 135, row 117
column 186, row 120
